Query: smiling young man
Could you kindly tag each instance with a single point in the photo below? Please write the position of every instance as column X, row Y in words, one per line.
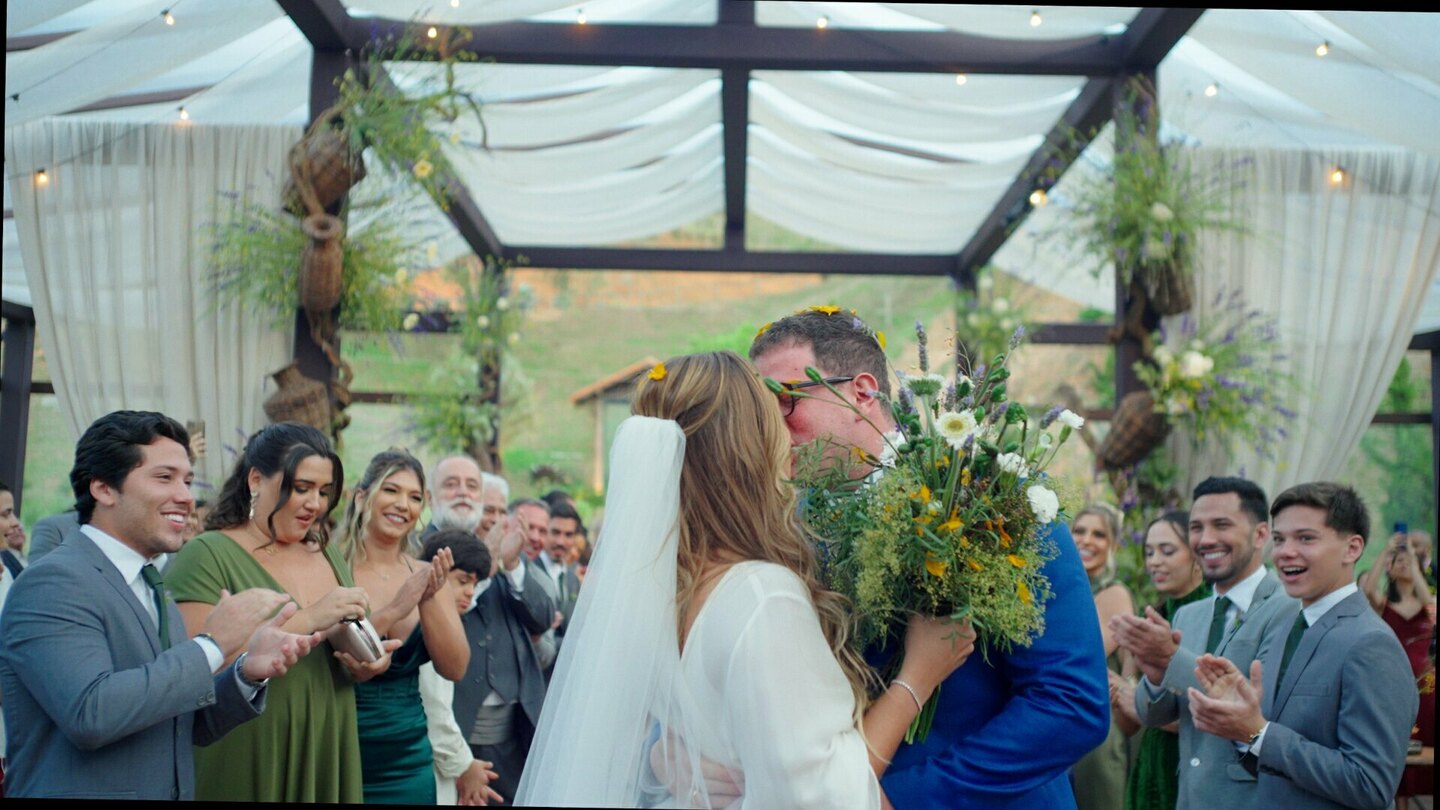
column 1228, row 532
column 104, row 692
column 1326, row 716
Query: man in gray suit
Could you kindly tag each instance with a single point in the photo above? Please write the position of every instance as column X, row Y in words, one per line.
column 49, row 532
column 104, row 693
column 1228, row 531
column 1338, row 695
column 497, row 703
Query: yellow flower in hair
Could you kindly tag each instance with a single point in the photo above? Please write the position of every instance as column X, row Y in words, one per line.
column 763, row 330
column 658, row 372
column 880, row 338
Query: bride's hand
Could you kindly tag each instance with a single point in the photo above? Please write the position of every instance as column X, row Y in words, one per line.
column 934, row 648
column 671, row 764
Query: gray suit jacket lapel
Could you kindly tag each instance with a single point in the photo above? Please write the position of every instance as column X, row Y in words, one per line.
column 1348, row 608
column 111, row 575
column 1263, row 591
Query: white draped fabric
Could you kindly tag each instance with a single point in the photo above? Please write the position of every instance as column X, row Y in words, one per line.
column 115, row 248
column 1344, row 270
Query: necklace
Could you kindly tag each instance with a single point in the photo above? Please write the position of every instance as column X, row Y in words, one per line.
column 270, row 547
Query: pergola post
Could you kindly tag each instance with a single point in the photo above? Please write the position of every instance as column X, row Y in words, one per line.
column 1144, row 108
column 19, row 348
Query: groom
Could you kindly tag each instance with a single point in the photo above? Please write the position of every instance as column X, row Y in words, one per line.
column 1007, row 730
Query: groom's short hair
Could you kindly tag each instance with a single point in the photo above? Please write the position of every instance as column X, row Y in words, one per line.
column 842, row 343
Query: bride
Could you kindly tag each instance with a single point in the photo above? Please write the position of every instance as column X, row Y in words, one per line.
column 704, row 644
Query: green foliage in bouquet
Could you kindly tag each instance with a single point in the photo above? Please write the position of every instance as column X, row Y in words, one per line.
column 1226, row 380
column 398, row 125
column 255, row 255
column 951, row 521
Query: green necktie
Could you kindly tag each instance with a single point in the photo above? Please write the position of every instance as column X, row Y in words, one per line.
column 1217, row 623
column 153, row 579
column 1291, row 642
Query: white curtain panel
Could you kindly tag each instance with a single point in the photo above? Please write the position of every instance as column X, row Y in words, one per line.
column 116, row 250
column 1344, row 270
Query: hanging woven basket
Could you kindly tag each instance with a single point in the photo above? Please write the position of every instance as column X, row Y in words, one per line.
column 299, row 399
column 1135, row 431
column 320, row 265
column 326, row 161
column 1170, row 289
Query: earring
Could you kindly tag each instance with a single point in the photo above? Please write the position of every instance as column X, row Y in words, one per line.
column 254, row 496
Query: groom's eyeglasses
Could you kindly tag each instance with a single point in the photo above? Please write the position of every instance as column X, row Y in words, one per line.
column 787, row 402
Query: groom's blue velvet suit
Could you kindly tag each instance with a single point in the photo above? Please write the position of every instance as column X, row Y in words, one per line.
column 1006, row 732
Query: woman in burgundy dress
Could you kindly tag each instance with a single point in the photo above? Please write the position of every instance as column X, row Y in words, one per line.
column 1405, row 603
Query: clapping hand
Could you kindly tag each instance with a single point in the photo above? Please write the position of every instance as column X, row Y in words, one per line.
column 236, row 616
column 361, row 671
column 338, row 604
column 1230, row 705
column 1150, row 640
column 505, row 540
column 271, row 651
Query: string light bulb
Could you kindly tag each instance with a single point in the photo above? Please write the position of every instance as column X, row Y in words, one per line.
column 1337, row 176
column 1035, row 19
column 167, row 17
column 1212, row 90
column 580, row 18
column 433, row 32
column 1038, row 198
column 960, row 79
column 823, row 22
column 184, row 114
column 1322, row 49
column 41, row 178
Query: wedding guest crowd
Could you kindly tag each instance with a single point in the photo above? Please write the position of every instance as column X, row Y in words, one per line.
column 141, row 657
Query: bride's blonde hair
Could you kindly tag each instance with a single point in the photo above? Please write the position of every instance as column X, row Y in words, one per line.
column 734, row 502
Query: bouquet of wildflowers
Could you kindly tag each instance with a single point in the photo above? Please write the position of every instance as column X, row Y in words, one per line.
column 951, row 521
column 1226, row 380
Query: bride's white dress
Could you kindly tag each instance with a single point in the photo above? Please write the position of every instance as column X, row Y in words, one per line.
column 762, row 694
column 756, row 691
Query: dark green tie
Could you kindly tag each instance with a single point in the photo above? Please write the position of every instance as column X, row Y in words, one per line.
column 153, row 579
column 1291, row 642
column 1217, row 623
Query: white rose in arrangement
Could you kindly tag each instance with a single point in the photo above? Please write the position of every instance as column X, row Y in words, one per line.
column 502, row 303
column 1070, row 419
column 1043, row 503
column 956, row 426
column 894, row 440
column 1161, row 212
column 985, row 282
column 1194, row 365
column 482, row 321
column 1011, row 463
column 1163, row 356
column 1177, row 407
column 1000, row 306
column 411, row 321
column 972, row 319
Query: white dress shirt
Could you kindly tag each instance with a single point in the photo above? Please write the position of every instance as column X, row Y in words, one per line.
column 128, row 562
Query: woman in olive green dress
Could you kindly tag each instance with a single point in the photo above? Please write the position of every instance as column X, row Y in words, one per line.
column 380, row 518
column 1153, row 782
column 268, row 530
column 1099, row 778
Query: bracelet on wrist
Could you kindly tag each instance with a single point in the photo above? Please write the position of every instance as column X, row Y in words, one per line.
column 919, row 707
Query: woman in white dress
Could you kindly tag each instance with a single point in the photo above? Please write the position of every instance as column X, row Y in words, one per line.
column 704, row 652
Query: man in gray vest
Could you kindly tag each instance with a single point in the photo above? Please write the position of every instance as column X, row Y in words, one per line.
column 497, row 703
column 1229, row 526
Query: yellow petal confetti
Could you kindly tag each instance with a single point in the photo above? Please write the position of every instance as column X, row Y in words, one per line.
column 936, row 567
column 826, row 310
column 879, row 337
column 764, row 329
column 1016, row 560
column 658, row 372
column 1024, row 592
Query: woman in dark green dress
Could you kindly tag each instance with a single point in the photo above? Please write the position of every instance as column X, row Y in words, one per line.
column 375, row 533
column 1153, row 784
